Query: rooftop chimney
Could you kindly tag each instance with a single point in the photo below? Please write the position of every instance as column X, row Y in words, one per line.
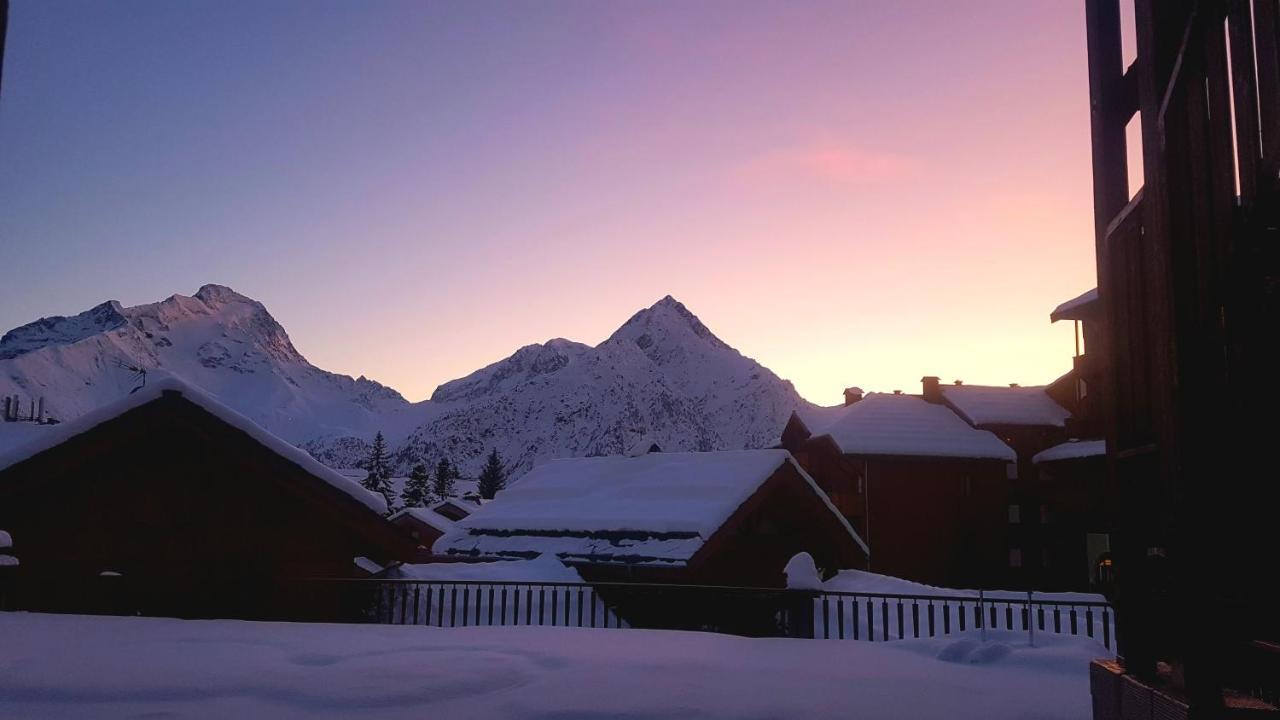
column 852, row 395
column 932, row 389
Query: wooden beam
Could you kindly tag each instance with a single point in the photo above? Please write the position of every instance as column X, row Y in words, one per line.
column 1244, row 83
column 1266, row 36
column 4, row 30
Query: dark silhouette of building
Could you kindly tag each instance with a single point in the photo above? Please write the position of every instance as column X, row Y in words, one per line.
column 167, row 487
column 1188, row 275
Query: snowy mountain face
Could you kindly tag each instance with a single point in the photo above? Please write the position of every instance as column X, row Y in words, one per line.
column 662, row 378
column 219, row 340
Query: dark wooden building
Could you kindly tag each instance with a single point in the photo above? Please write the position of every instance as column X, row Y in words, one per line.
column 170, row 487
column 927, row 491
column 716, row 518
column 426, row 527
column 1189, row 282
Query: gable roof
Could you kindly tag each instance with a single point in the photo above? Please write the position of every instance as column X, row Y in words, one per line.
column 906, row 425
column 987, row 405
column 1082, row 307
column 658, row 508
column 156, row 388
column 426, row 517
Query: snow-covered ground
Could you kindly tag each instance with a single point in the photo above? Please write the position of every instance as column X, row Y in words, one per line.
column 66, row 666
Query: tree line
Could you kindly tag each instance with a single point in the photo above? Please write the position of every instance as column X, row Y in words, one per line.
column 423, row 488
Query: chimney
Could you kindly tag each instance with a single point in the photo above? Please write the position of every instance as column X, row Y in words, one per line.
column 932, row 389
column 852, row 395
column 40, row 410
column 7, row 402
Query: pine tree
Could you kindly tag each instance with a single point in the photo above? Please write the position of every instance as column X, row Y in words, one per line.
column 417, row 489
column 493, row 477
column 442, row 486
column 378, row 480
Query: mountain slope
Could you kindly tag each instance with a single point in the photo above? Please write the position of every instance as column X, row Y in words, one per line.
column 222, row 341
column 663, row 377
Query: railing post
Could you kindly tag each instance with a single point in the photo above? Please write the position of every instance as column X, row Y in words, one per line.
column 799, row 607
column 1031, row 625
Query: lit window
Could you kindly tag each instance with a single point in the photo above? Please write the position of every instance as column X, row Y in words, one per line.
column 1015, row 514
column 1015, row 557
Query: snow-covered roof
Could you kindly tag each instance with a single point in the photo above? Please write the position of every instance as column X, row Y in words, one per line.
column 657, row 508
column 1072, row 450
column 985, row 405
column 6, row 540
column 429, row 517
column 159, row 383
column 1080, row 307
column 544, row 568
column 890, row 424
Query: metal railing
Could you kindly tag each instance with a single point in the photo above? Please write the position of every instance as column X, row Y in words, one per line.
column 884, row 616
column 749, row 611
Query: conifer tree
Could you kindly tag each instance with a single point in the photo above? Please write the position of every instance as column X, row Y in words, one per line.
column 379, row 478
column 493, row 477
column 417, row 489
column 442, row 486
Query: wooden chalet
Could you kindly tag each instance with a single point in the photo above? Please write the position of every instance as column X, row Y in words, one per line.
column 722, row 518
column 454, row 509
column 1189, row 285
column 168, row 486
column 425, row 525
column 925, row 489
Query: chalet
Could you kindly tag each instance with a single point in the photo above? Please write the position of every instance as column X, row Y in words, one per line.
column 426, row 526
column 1078, row 390
column 1029, row 420
column 1077, row 534
column 731, row 518
column 924, row 488
column 168, row 486
column 455, row 509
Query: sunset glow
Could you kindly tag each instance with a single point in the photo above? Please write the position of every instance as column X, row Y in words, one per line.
column 850, row 193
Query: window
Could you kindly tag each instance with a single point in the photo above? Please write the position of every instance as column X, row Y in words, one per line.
column 1045, row 516
column 1011, row 471
column 967, row 486
column 1015, row 557
column 1045, row 556
column 1015, row 514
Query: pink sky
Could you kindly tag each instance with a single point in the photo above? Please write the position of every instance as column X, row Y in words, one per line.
column 851, row 193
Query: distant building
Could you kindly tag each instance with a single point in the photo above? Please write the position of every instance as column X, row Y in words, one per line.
column 426, row 526
column 169, row 486
column 455, row 509
column 925, row 489
column 732, row 518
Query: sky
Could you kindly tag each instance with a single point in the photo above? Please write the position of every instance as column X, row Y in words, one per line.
column 852, row 193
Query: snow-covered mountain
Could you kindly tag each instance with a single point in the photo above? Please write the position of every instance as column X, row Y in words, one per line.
column 221, row 341
column 662, row 378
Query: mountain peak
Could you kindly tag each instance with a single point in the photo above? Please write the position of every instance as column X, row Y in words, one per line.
column 215, row 295
column 666, row 321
